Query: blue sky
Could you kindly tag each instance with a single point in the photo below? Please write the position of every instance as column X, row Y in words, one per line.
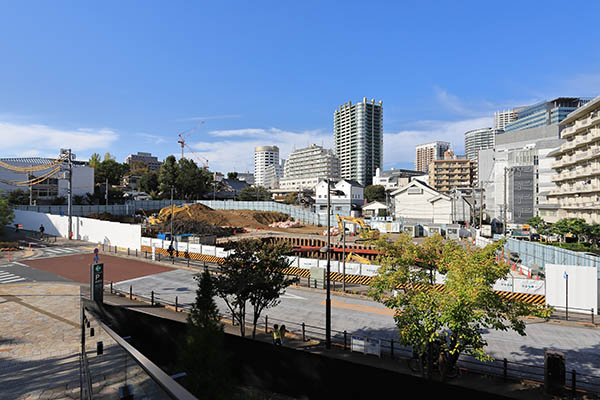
column 123, row 77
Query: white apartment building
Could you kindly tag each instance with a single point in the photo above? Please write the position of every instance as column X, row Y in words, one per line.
column 273, row 173
column 395, row 178
column 263, row 157
column 146, row 158
column 348, row 203
column 428, row 152
column 305, row 167
column 358, row 138
column 577, row 167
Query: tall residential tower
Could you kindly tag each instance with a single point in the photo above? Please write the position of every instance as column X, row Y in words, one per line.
column 429, row 152
column 358, row 139
column 263, row 157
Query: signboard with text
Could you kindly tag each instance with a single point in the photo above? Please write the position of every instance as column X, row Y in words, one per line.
column 97, row 282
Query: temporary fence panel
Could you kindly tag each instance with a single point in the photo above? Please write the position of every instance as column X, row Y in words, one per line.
column 195, row 248
column 208, row 250
column 370, row 269
column 307, row 263
column 158, row 243
column 353, row 268
column 580, row 282
column 504, row 285
column 220, row 252
column 181, row 246
column 146, row 241
column 529, row 286
column 293, row 261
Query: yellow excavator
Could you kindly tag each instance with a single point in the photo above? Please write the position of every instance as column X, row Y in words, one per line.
column 365, row 231
column 355, row 257
column 165, row 213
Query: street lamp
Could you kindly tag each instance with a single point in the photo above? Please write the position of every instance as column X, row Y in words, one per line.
column 328, row 298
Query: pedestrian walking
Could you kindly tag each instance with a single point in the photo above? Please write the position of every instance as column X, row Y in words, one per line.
column 276, row 335
column 170, row 250
column 282, row 332
column 42, row 229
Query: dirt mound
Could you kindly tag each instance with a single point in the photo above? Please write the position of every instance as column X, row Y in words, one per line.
column 236, row 218
column 268, row 217
column 195, row 227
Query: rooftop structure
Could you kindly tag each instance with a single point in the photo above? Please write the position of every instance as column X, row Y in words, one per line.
column 147, row 158
column 545, row 113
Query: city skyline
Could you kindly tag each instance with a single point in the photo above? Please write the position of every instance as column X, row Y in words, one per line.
column 130, row 81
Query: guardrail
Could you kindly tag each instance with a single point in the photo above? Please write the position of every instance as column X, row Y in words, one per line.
column 507, row 369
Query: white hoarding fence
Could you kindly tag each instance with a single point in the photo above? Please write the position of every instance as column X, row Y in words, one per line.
column 580, row 282
column 365, row 345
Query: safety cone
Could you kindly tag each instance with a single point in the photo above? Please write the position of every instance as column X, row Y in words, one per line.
column 529, row 274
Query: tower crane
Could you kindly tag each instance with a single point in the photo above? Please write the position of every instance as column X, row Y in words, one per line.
column 185, row 134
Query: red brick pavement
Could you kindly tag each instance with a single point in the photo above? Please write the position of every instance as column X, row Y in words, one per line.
column 76, row 267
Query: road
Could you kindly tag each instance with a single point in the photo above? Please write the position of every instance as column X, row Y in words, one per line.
column 581, row 345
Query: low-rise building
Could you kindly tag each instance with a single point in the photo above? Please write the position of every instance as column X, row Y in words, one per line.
column 55, row 186
column 418, row 202
column 395, row 178
column 577, row 168
column 375, row 209
column 351, row 201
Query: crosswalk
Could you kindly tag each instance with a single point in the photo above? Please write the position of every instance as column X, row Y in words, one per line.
column 8, row 277
column 47, row 252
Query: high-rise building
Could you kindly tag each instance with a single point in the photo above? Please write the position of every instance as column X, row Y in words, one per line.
column 450, row 173
column 263, row 157
column 502, row 118
column 358, row 137
column 545, row 113
column 428, row 152
column 305, row 167
column 479, row 139
column 146, row 158
column 577, row 168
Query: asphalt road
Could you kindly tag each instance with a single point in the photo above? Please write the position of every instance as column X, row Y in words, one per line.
column 581, row 345
column 16, row 272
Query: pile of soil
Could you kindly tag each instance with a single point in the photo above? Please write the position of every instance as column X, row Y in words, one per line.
column 232, row 218
column 195, row 227
column 115, row 218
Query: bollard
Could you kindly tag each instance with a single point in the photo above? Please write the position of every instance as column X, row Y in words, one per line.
column 102, row 246
column 345, row 339
column 266, row 324
column 128, row 251
column 505, row 372
column 188, row 262
column 333, row 285
column 91, row 332
column 303, row 332
column 99, row 348
column 592, row 315
column 159, row 256
column 308, row 280
column 392, row 348
column 176, row 303
column 136, row 253
column 116, row 249
column 172, row 260
column 130, row 292
column 111, row 289
column 152, row 297
column 146, row 254
column 573, row 382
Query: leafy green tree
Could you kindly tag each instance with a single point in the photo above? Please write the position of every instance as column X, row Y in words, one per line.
column 189, row 182
column 291, row 198
column 576, row 227
column 95, row 160
column 253, row 273
column 112, row 170
column 167, row 175
column 149, row 182
column 539, row 225
column 18, row 197
column 375, row 193
column 455, row 317
column 232, row 175
column 6, row 213
column 204, row 356
column 252, row 193
column 108, row 156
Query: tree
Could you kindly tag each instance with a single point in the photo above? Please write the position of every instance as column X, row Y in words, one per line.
column 455, row 317
column 167, row 174
column 375, row 193
column 110, row 169
column 18, row 197
column 570, row 227
column 539, row 225
column 108, row 156
column 291, row 198
column 149, row 182
column 95, row 160
column 254, row 193
column 189, row 182
column 232, row 175
column 203, row 355
column 253, row 273
column 6, row 213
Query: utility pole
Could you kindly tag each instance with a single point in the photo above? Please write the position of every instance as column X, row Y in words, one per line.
column 328, row 298
column 505, row 200
column 70, row 193
column 344, row 257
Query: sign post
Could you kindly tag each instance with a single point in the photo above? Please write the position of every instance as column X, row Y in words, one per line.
column 97, row 282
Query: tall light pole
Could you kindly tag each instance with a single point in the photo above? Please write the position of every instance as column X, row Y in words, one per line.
column 171, row 214
column 328, row 298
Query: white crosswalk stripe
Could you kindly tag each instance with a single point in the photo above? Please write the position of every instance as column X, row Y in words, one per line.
column 7, row 277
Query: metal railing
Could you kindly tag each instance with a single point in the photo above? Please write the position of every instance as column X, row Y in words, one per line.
column 390, row 347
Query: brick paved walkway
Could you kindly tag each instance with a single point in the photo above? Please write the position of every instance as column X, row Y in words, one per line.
column 39, row 341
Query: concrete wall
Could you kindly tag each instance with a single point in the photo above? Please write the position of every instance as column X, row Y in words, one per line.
column 87, row 229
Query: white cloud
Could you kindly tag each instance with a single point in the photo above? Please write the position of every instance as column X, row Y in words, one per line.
column 42, row 140
column 155, row 139
column 208, row 117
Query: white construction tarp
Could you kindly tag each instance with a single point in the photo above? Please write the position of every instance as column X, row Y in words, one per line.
column 582, row 286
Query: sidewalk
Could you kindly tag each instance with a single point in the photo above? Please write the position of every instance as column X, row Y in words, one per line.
column 39, row 341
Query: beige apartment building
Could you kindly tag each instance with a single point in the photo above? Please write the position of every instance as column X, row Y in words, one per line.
column 428, row 152
column 450, row 173
column 577, row 167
